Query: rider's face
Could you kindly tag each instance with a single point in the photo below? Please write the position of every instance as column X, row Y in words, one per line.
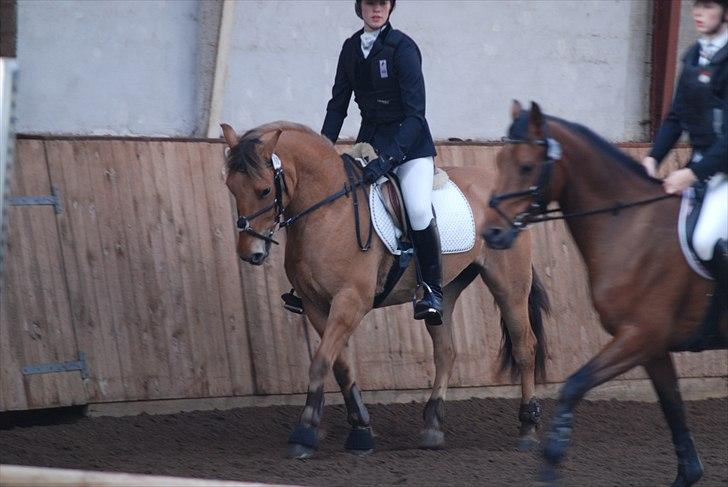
column 708, row 17
column 375, row 13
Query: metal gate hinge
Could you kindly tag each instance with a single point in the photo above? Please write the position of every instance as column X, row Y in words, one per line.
column 53, row 200
column 79, row 364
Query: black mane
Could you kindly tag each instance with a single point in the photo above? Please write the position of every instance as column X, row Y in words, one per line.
column 245, row 158
column 519, row 131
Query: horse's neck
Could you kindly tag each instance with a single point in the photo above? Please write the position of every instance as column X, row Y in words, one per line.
column 318, row 174
column 596, row 181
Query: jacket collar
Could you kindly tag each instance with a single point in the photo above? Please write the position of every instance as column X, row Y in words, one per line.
column 693, row 55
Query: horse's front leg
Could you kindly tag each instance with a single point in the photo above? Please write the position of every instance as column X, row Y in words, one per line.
column 625, row 351
column 360, row 440
column 663, row 376
column 347, row 310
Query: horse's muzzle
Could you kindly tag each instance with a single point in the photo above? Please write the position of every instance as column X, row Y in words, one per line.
column 500, row 239
column 256, row 259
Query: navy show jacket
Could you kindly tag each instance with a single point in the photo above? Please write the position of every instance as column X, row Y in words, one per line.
column 700, row 107
column 389, row 89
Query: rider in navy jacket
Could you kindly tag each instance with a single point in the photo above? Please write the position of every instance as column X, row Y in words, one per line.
column 390, row 91
column 700, row 107
column 383, row 68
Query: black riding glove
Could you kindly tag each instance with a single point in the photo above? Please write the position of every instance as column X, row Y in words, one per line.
column 376, row 169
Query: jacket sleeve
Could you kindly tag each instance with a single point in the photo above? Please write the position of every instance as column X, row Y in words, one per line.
column 669, row 133
column 338, row 106
column 408, row 69
column 670, row 130
column 715, row 158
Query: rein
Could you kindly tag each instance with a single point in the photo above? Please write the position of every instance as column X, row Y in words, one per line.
column 537, row 211
column 243, row 222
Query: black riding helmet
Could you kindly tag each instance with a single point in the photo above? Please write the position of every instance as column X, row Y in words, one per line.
column 357, row 6
column 722, row 3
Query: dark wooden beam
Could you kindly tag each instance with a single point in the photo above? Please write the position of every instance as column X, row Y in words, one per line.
column 665, row 30
column 8, row 27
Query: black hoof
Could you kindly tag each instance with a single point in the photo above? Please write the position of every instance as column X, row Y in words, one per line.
column 432, row 439
column 548, row 477
column 300, row 451
column 527, row 443
column 688, row 475
column 360, row 441
column 303, row 442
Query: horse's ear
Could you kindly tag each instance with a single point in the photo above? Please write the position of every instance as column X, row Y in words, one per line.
column 270, row 145
column 535, row 120
column 516, row 109
column 230, row 136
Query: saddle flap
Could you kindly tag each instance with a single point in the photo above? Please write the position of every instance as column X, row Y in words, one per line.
column 455, row 219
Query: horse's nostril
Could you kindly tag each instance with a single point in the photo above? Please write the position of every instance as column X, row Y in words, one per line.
column 493, row 232
column 257, row 258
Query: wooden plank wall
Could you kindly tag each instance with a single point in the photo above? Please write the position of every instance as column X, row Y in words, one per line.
column 35, row 318
column 146, row 282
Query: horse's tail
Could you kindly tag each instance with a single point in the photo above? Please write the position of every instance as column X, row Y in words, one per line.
column 538, row 304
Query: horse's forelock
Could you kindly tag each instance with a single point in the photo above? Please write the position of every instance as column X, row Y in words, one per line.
column 244, row 157
column 519, row 128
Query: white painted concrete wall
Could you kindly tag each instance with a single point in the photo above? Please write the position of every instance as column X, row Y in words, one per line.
column 107, row 67
column 130, row 67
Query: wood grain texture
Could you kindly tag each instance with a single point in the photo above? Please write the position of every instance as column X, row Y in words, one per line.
column 36, row 325
column 140, row 271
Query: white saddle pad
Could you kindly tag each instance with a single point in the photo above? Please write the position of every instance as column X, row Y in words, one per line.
column 454, row 220
column 688, row 201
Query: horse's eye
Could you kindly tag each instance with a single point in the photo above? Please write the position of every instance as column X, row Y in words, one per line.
column 265, row 192
column 525, row 169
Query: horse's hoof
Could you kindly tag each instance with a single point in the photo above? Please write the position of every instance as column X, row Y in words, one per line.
column 360, row 441
column 300, row 452
column 432, row 439
column 527, row 443
column 548, row 477
column 688, row 475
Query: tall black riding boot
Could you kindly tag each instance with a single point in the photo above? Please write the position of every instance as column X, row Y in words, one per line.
column 719, row 263
column 429, row 258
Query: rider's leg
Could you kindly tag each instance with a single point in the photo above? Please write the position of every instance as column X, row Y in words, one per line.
column 416, row 181
column 711, row 224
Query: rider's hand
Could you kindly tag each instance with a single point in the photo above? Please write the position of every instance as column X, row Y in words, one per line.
column 650, row 164
column 376, row 169
column 680, row 180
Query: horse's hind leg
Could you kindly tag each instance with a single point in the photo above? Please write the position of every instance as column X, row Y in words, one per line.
column 432, row 436
column 662, row 373
column 510, row 280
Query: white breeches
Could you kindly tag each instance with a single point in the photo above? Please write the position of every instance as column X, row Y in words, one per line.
column 416, row 177
column 713, row 220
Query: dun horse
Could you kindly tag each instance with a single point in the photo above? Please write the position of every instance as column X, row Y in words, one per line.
column 281, row 170
column 646, row 295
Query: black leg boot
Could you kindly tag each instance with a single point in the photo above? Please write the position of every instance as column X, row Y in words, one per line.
column 429, row 258
column 719, row 263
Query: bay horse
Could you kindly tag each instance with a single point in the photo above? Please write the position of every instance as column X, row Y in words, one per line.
column 285, row 170
column 625, row 228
